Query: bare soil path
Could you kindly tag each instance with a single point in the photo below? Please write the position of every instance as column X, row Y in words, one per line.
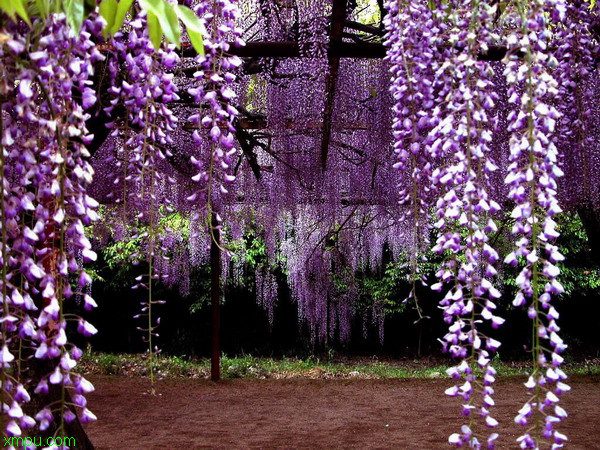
column 291, row 414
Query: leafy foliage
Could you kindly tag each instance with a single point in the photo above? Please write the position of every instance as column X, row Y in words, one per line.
column 163, row 17
column 580, row 272
column 114, row 13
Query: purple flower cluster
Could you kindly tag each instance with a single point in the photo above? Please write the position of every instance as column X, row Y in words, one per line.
column 576, row 55
column 443, row 101
column 532, row 179
column 266, row 291
column 214, row 137
column 411, row 42
column 465, row 216
column 142, row 87
column 44, row 174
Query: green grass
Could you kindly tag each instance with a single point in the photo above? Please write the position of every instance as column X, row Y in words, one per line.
column 342, row 368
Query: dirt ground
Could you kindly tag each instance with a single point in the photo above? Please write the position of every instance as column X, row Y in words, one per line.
column 251, row 413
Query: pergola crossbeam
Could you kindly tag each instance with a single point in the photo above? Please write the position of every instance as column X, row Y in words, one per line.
column 337, row 49
column 291, row 49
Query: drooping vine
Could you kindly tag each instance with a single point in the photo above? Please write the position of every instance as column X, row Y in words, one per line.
column 412, row 51
column 144, row 131
column 532, row 179
column 45, row 207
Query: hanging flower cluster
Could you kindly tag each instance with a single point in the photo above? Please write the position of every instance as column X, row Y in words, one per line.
column 576, row 55
column 411, row 41
column 532, row 178
column 144, row 129
column 465, row 213
column 266, row 291
column 452, row 131
column 214, row 137
column 44, row 174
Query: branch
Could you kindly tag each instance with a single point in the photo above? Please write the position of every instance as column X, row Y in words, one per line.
column 247, row 144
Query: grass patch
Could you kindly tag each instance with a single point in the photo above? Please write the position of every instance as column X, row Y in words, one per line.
column 311, row 368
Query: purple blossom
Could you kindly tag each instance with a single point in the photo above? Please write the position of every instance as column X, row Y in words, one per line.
column 45, row 173
column 532, row 179
column 458, row 132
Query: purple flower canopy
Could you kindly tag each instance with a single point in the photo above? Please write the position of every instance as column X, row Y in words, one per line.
column 308, row 145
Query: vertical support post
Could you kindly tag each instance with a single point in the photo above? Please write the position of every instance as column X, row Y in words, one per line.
column 338, row 18
column 215, row 295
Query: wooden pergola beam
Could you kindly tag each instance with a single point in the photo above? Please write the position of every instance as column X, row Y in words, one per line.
column 260, row 123
column 291, row 49
column 337, row 49
column 364, row 28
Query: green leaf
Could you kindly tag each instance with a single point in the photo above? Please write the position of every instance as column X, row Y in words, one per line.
column 167, row 18
column 74, row 11
column 122, row 8
column 108, row 10
column 114, row 13
column 20, row 9
column 43, row 8
column 154, row 30
column 194, row 27
column 8, row 7
column 55, row 6
column 14, row 7
column 173, row 30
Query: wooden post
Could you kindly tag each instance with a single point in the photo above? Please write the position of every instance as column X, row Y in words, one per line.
column 215, row 295
column 338, row 18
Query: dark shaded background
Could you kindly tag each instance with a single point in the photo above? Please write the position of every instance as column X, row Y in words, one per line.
column 246, row 330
